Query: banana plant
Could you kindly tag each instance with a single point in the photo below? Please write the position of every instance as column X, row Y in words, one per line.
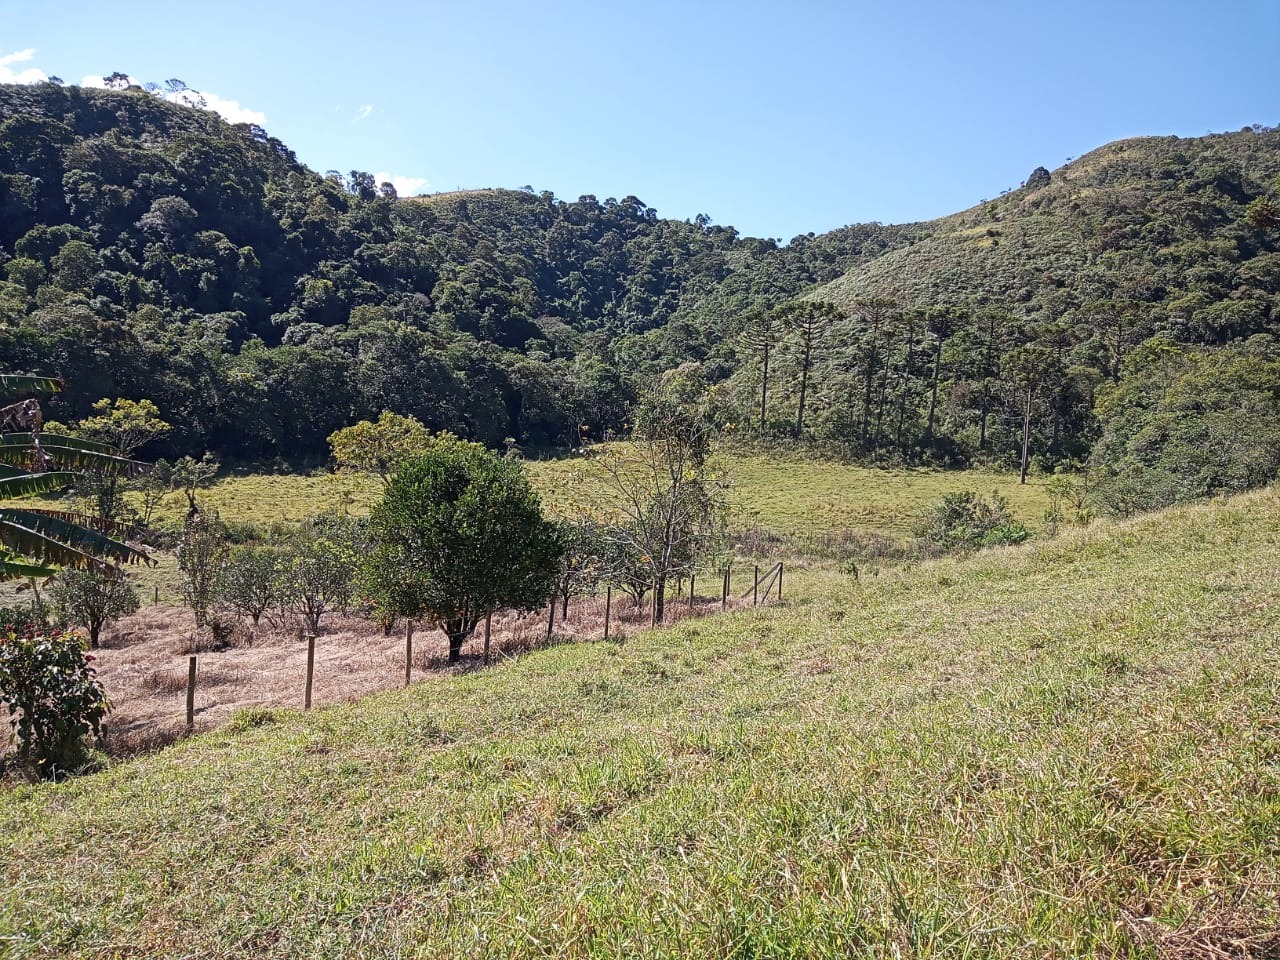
column 37, row 542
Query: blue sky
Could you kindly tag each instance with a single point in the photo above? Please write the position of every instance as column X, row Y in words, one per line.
column 778, row 118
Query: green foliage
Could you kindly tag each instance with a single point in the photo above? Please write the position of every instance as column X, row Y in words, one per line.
column 125, row 426
column 1186, row 423
column 153, row 251
column 317, row 567
column 24, row 619
column 459, row 533
column 585, row 560
column 966, row 521
column 92, row 599
column 216, row 265
column 53, row 699
column 380, row 447
column 202, row 556
column 251, row 579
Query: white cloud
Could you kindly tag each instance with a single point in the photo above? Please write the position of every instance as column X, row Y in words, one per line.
column 364, row 112
column 29, row 75
column 229, row 110
column 405, row 186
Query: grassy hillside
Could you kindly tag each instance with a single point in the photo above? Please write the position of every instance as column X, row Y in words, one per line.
column 1059, row 750
column 1128, row 220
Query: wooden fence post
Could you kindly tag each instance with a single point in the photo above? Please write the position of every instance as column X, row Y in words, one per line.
column 724, row 594
column 779, row 581
column 551, row 618
column 488, row 624
column 191, row 694
column 653, row 607
column 755, row 587
column 155, row 597
column 408, row 651
column 608, row 604
column 691, row 578
column 311, row 670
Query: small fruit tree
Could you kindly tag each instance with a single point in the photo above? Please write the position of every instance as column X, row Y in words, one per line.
column 458, row 534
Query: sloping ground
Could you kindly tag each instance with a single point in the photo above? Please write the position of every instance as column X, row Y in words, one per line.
column 1129, row 219
column 1067, row 749
column 144, row 658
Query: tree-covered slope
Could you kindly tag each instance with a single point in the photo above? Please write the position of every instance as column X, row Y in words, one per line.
column 1002, row 332
column 151, row 249
column 1062, row 749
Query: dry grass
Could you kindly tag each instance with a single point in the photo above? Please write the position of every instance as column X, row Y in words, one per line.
column 143, row 663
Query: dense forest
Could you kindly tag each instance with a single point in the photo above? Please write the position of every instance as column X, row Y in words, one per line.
column 153, row 250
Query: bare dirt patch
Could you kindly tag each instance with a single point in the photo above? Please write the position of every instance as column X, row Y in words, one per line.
column 143, row 662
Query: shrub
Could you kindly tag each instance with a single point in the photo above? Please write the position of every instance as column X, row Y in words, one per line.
column 318, row 567
column 54, row 700
column 24, row 619
column 93, row 598
column 251, row 580
column 966, row 521
column 202, row 553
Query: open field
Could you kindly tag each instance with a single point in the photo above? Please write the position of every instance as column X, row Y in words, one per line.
column 1064, row 749
column 784, row 494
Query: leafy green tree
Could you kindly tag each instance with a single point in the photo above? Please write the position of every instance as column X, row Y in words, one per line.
column 318, row 569
column 92, row 598
column 202, row 555
column 380, row 447
column 584, row 562
column 458, row 534
column 126, row 426
column 251, row 580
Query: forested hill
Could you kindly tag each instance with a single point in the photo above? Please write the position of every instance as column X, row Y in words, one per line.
column 154, row 250
column 1074, row 305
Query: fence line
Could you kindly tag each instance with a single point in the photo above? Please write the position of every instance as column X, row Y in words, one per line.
column 523, row 633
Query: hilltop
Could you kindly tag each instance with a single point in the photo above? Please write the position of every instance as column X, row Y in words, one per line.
column 1066, row 748
column 1155, row 220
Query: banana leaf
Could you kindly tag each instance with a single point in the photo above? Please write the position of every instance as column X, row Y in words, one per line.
column 25, row 384
column 51, row 539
